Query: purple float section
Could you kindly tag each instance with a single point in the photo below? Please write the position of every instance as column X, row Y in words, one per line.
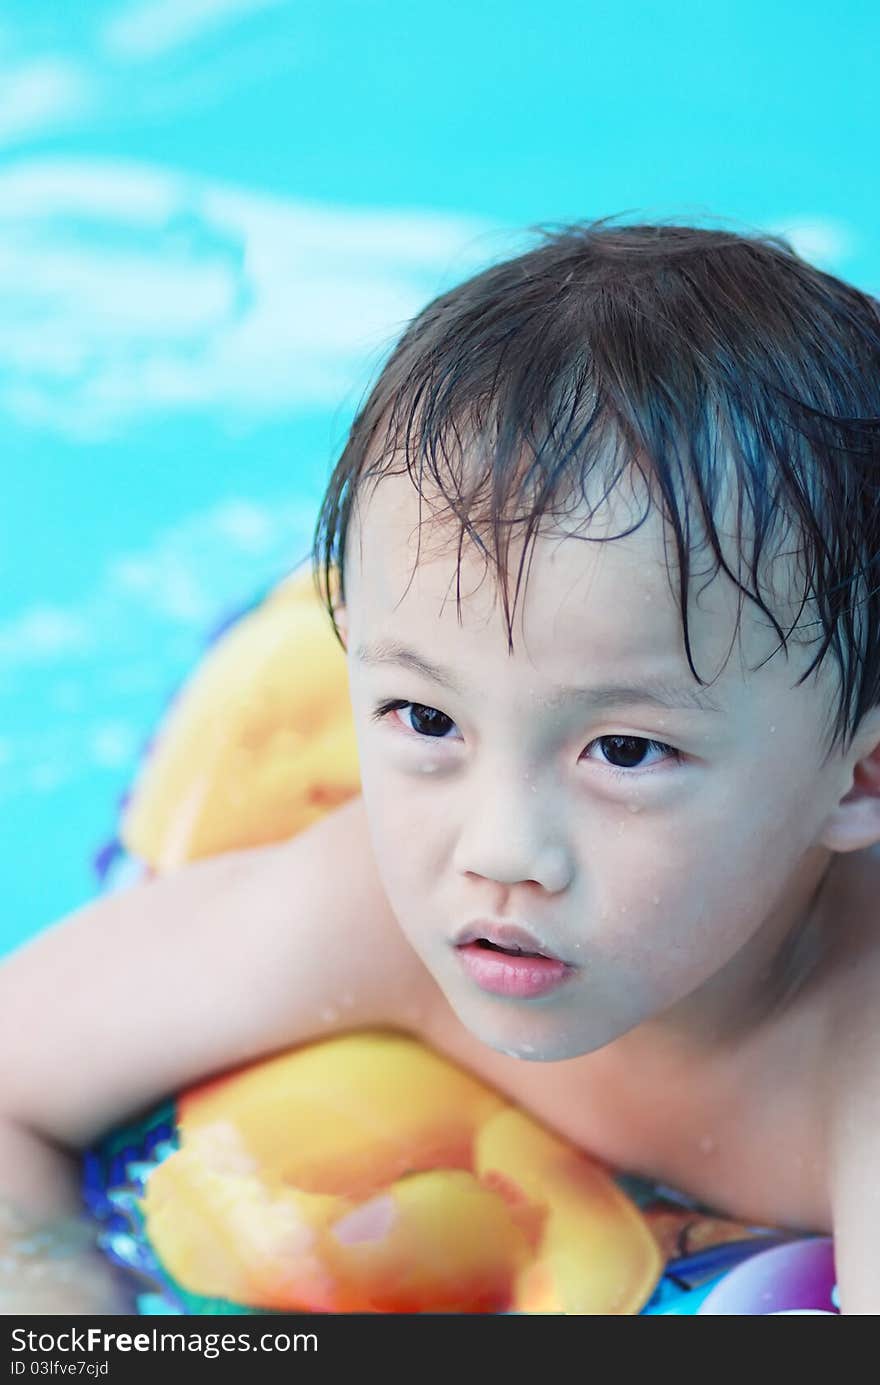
column 794, row 1278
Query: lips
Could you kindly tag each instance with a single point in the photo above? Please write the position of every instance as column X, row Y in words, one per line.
column 513, row 939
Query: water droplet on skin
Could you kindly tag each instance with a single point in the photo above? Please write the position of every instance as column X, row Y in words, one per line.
column 604, row 914
column 707, row 1144
column 655, row 899
column 528, row 1048
column 772, row 729
column 329, row 1015
column 623, row 908
column 429, row 767
column 635, row 807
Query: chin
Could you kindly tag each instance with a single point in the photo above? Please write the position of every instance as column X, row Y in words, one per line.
column 529, row 1053
column 546, row 1051
column 530, row 1037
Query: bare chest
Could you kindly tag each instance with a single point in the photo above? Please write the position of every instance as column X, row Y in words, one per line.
column 747, row 1138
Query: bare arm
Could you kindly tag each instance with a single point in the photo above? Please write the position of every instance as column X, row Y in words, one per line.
column 48, row 1260
column 142, row 993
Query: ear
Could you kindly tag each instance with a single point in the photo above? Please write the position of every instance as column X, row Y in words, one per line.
column 855, row 823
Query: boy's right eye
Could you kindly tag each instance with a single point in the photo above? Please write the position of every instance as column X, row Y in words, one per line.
column 426, row 721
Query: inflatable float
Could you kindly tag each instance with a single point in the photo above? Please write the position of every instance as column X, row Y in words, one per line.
column 364, row 1172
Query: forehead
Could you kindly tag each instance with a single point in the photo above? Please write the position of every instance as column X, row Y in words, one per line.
column 591, row 593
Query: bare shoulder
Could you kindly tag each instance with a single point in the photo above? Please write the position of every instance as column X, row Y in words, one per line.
column 852, row 1058
column 138, row 994
column 855, row 953
column 845, row 1000
column 854, row 1093
column 371, row 974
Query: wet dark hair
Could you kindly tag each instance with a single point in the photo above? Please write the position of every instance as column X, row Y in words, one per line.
column 713, row 362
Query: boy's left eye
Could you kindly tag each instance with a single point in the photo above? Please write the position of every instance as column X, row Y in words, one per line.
column 428, row 722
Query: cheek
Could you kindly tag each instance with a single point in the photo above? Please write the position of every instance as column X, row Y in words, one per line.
column 685, row 897
column 403, row 833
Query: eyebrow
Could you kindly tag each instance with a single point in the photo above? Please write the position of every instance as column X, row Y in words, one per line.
column 656, row 691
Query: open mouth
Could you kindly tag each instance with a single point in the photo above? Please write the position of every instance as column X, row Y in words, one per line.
column 508, row 951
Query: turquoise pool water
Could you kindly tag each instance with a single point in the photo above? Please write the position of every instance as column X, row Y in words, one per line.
column 216, row 218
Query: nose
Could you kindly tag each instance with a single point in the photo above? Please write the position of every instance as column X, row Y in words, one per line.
column 509, row 836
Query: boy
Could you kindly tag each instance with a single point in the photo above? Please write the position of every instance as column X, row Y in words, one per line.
column 623, row 862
